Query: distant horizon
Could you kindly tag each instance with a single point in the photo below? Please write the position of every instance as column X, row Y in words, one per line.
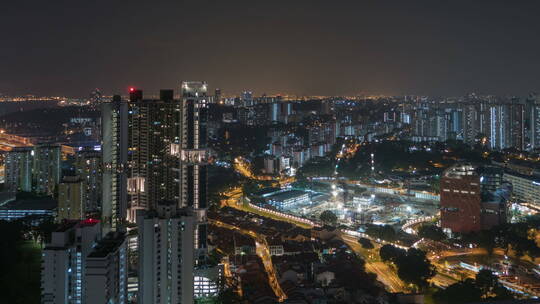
column 226, row 94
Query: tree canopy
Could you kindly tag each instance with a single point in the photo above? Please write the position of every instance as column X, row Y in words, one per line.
column 328, row 217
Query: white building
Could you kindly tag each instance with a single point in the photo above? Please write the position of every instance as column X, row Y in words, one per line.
column 64, row 262
column 287, row 199
column 524, row 187
column 106, row 271
column 166, row 255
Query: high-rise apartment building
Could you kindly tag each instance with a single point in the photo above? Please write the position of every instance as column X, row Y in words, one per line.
column 18, row 169
column 193, row 189
column 64, row 262
column 471, row 124
column 46, row 169
column 88, row 167
column 106, row 270
column 246, row 98
column 166, row 256
column 71, row 199
column 517, row 124
column 154, row 129
column 499, row 136
column 534, row 121
column 114, row 119
column 194, row 157
column 217, row 96
column 168, row 186
column 80, row 267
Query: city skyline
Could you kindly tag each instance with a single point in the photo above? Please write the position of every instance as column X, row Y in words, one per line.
column 303, row 48
column 238, row 152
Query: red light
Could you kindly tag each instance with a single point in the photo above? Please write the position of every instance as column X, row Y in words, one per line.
column 131, row 89
column 90, row 221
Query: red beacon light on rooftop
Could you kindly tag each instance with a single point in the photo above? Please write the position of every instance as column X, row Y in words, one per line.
column 89, row 222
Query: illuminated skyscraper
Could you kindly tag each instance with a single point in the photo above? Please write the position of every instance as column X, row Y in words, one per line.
column 194, row 155
column 168, row 187
column 114, row 147
column 193, row 190
column 154, row 129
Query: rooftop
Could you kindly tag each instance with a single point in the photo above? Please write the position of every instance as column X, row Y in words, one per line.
column 38, row 203
column 285, row 195
column 108, row 244
column 461, row 170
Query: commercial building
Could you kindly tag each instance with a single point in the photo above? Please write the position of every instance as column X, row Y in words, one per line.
column 287, row 199
column 114, row 163
column 468, row 206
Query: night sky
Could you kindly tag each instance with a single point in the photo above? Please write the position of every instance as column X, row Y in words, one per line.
column 307, row 47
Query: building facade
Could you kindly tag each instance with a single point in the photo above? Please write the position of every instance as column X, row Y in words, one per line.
column 71, row 199
column 154, row 128
column 106, row 271
column 88, row 166
column 472, row 199
column 18, row 169
column 166, row 255
column 114, row 163
column 46, row 169
column 194, row 158
column 64, row 262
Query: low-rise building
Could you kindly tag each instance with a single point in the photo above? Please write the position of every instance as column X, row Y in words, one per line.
column 524, row 187
column 467, row 204
column 38, row 208
column 288, row 199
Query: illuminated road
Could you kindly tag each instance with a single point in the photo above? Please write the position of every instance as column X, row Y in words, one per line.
column 263, row 252
column 234, row 200
column 244, row 168
column 8, row 141
column 385, row 274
